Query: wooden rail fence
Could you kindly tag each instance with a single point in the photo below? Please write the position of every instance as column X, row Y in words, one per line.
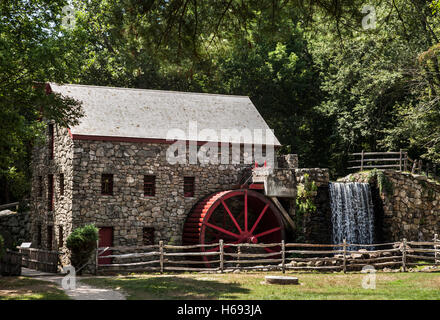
column 39, row 259
column 398, row 160
column 226, row 257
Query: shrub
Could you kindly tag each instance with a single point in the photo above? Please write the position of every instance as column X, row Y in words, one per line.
column 82, row 243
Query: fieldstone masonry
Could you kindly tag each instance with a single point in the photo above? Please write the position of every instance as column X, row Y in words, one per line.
column 411, row 209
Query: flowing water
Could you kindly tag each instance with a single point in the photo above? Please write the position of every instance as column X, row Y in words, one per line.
column 352, row 212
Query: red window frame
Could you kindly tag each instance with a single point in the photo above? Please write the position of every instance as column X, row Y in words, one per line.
column 50, row 192
column 107, row 184
column 188, row 186
column 51, row 141
column 149, row 186
column 61, row 177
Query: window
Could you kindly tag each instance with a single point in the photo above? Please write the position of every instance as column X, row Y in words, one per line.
column 50, row 192
column 107, row 184
column 61, row 184
column 149, row 186
column 49, row 237
column 40, row 186
column 60, row 237
column 188, row 186
column 147, row 236
column 51, row 141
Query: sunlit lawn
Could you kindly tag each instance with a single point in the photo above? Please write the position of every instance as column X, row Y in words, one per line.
column 21, row 288
column 249, row 286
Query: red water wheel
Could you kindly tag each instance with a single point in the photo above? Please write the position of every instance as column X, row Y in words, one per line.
column 236, row 216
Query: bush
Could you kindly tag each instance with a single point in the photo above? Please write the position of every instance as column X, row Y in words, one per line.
column 82, row 243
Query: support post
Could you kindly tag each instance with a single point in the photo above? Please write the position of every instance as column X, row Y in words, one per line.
column 222, row 254
column 413, row 170
column 96, row 257
column 161, row 255
column 345, row 256
column 362, row 160
column 436, row 248
column 405, row 161
column 283, row 256
column 238, row 256
column 400, row 161
column 404, row 254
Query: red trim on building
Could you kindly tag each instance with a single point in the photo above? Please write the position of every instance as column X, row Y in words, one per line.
column 137, row 140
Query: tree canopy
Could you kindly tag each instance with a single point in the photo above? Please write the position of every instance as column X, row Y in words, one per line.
column 326, row 85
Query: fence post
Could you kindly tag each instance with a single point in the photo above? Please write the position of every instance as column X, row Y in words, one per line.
column 436, row 248
column 404, row 254
column 345, row 255
column 405, row 161
column 400, row 161
column 283, row 256
column 96, row 257
column 221, row 255
column 161, row 255
column 413, row 170
column 238, row 256
column 362, row 160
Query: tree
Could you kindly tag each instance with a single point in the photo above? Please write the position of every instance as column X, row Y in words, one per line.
column 32, row 51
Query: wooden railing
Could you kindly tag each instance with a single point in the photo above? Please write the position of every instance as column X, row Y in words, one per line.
column 398, row 160
column 9, row 205
column 226, row 257
column 39, row 259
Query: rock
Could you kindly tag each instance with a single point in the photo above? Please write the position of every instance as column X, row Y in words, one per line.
column 281, row 280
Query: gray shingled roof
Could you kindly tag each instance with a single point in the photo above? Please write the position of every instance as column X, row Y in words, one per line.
column 141, row 113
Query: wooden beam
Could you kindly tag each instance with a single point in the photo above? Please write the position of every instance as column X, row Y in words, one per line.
column 283, row 212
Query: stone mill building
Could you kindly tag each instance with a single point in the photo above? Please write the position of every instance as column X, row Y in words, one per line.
column 112, row 170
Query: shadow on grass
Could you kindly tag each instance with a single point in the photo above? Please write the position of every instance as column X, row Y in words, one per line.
column 21, row 288
column 170, row 288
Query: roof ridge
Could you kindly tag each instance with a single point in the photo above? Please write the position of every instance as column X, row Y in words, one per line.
column 150, row 90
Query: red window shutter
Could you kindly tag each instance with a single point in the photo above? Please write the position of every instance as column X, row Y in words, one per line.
column 49, row 237
column 188, row 186
column 60, row 237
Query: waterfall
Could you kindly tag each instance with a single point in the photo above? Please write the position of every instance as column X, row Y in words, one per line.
column 352, row 212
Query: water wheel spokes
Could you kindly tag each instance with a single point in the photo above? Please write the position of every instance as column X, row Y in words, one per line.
column 235, row 216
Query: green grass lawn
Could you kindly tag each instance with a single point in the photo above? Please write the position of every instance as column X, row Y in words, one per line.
column 249, row 286
column 21, row 288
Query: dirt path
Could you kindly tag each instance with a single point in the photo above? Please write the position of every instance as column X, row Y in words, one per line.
column 82, row 291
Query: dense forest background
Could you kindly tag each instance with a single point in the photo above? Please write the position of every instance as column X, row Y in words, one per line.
column 323, row 82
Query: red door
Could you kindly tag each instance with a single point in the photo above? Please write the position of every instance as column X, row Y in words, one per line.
column 105, row 240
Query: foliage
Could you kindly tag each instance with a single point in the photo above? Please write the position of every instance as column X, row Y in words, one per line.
column 306, row 193
column 31, row 52
column 385, row 185
column 82, row 243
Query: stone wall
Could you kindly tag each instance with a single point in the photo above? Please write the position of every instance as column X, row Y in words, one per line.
column 411, row 204
column 317, row 225
column 128, row 211
column 15, row 227
column 60, row 218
